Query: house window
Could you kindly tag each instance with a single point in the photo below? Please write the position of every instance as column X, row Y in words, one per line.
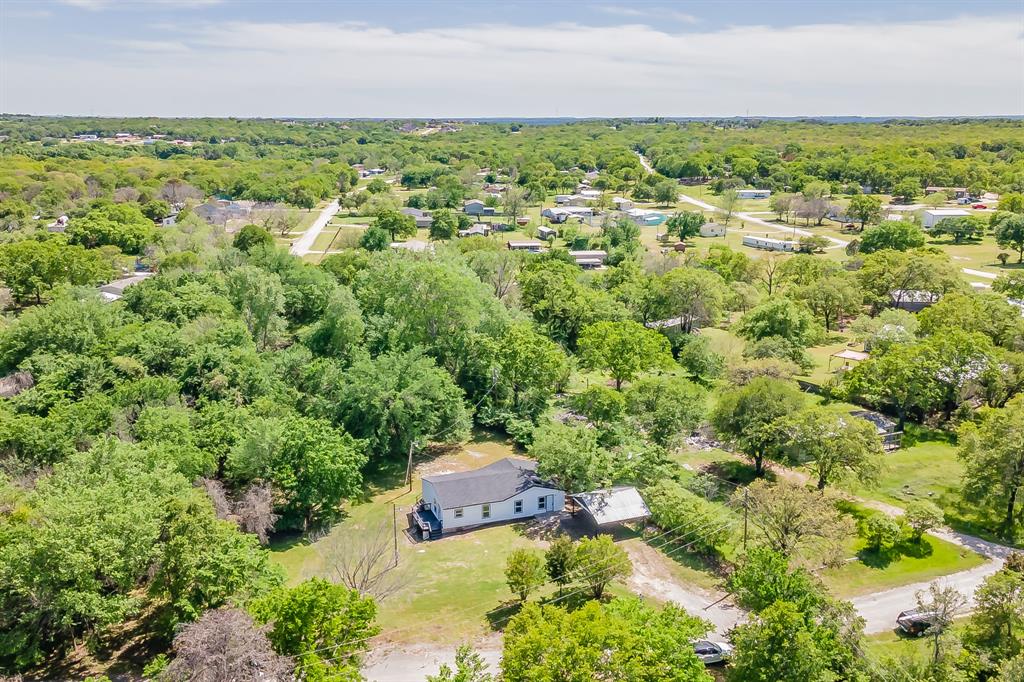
column 519, row 506
column 458, row 512
column 541, row 503
column 486, row 511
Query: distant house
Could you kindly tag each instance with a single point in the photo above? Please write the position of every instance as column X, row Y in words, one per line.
column 912, row 300
column 559, row 214
column 219, row 211
column 114, row 290
column 712, row 230
column 768, row 244
column 477, row 230
column 477, row 207
column 951, row 192
column 753, row 193
column 884, row 426
column 590, row 194
column 622, row 203
column 58, row 225
column 644, row 217
column 533, row 246
column 422, row 218
column 589, row 260
column 932, row 216
column 508, row 490
column 546, row 233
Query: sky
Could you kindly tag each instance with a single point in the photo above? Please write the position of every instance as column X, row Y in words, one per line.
column 511, row 58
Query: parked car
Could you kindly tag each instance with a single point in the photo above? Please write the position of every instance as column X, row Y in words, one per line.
column 979, row 206
column 712, row 652
column 915, row 621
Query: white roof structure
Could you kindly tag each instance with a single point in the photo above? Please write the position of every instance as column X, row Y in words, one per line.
column 613, row 505
column 947, row 212
column 850, row 354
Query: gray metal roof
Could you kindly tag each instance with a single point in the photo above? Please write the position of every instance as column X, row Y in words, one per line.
column 492, row 483
column 613, row 505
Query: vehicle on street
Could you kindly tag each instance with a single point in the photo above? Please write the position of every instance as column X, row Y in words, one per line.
column 979, row 206
column 710, row 652
column 915, row 621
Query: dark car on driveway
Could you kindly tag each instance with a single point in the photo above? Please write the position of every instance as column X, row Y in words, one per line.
column 915, row 621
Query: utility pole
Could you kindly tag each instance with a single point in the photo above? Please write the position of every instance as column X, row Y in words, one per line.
column 744, row 519
column 408, row 466
column 394, row 520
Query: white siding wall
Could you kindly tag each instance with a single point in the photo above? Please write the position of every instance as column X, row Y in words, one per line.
column 501, row 511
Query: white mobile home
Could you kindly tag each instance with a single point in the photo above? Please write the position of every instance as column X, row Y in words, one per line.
column 753, row 193
column 933, row 216
column 768, row 244
column 508, row 490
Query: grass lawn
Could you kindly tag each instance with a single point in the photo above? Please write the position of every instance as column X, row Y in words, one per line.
column 871, row 573
column 457, row 583
column 883, row 646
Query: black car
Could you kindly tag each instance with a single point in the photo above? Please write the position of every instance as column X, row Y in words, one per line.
column 915, row 621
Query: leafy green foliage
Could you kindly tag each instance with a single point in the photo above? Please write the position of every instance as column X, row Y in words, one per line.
column 524, row 572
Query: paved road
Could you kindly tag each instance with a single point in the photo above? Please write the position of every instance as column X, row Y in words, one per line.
column 414, row 663
column 304, row 244
column 980, row 273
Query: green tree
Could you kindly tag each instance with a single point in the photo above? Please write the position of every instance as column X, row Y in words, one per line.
column 324, row 626
column 206, row 561
column 623, row 349
column 922, row 516
column 898, row 235
column 395, row 223
column 1012, row 202
column 378, row 186
column 907, row 189
column 864, row 208
column 746, row 416
column 251, row 236
column 881, row 533
column 524, row 572
column 570, row 456
column 702, row 523
column 695, row 296
column 259, row 297
column 686, row 224
column 30, row 268
column 833, row 446
column 1009, row 233
column 764, row 577
column 779, row 317
column 1010, row 284
column 998, row 618
column 666, row 408
column 513, row 202
column 469, row 667
column 960, row 229
column 793, row 520
column 374, row 239
column 444, row 224
column 560, row 560
column 727, row 203
column 992, row 453
column 666, row 192
column 945, row 604
column 605, row 563
column 903, row 379
column 832, row 298
column 120, row 225
column 623, row 640
column 777, row 645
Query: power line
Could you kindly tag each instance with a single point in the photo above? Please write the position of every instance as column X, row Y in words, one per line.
column 420, row 624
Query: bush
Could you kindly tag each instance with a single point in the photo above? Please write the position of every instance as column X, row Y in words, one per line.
column 881, row 532
column 922, row 516
column 675, row 508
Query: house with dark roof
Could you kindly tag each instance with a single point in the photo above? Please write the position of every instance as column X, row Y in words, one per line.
column 508, row 490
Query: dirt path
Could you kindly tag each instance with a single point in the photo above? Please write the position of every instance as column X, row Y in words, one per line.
column 652, row 577
column 414, row 662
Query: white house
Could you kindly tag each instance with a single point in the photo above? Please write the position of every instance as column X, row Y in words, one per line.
column 753, row 193
column 769, row 244
column 508, row 490
column 712, row 230
column 930, row 217
column 589, row 260
column 531, row 245
column 622, row 203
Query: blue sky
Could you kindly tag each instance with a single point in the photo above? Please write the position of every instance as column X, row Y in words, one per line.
column 516, row 58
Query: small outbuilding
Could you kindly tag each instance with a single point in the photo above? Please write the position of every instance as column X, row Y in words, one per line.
column 611, row 506
column 712, row 230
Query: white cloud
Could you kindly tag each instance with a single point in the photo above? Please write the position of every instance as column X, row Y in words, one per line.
column 963, row 66
column 649, row 12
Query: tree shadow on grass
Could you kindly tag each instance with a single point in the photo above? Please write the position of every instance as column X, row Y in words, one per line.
column 736, row 472
column 882, row 558
column 500, row 615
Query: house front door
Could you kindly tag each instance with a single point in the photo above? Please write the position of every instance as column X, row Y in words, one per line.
column 549, row 505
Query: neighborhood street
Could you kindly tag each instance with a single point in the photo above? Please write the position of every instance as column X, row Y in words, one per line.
column 304, row 244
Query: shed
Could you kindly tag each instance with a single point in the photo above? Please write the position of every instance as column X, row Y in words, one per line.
column 618, row 504
column 933, row 216
column 848, row 355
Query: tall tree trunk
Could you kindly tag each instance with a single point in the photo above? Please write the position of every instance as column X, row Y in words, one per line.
column 1010, row 505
